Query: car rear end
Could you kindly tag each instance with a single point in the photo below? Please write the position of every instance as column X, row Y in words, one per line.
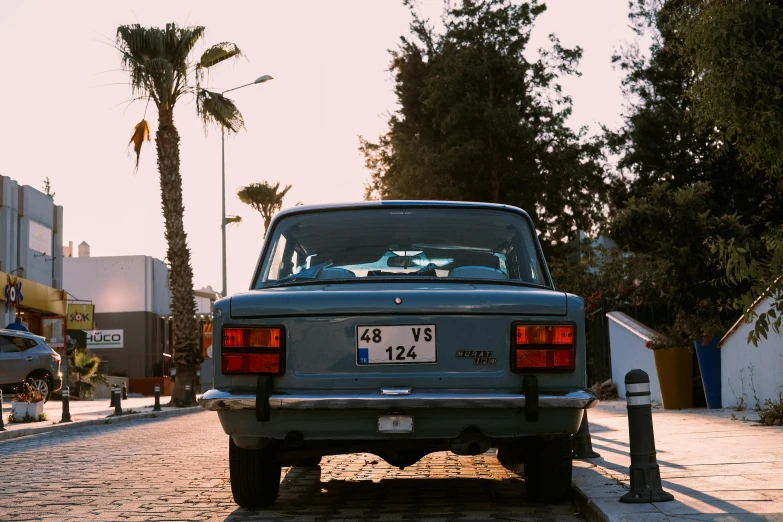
column 401, row 364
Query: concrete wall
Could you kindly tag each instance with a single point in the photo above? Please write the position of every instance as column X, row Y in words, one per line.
column 118, row 284
column 627, row 338
column 745, row 367
column 140, row 344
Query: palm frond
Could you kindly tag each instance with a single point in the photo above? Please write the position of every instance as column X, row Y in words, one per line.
column 218, row 53
column 157, row 59
column 141, row 132
column 233, row 220
column 213, row 107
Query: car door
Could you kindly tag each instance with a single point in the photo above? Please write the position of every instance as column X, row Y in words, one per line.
column 16, row 360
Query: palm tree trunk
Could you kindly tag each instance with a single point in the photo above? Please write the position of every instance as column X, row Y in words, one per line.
column 186, row 347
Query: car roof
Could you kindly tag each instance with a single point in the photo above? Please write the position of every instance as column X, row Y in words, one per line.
column 20, row 333
column 397, row 203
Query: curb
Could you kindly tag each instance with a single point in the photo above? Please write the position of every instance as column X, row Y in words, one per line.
column 167, row 412
column 586, row 505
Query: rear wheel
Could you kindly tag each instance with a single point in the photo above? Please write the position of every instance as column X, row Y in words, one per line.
column 42, row 383
column 255, row 476
column 547, row 469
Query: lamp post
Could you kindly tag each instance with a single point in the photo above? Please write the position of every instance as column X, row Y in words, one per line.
column 262, row 79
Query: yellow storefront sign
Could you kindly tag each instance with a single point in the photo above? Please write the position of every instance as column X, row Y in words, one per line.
column 81, row 316
column 32, row 295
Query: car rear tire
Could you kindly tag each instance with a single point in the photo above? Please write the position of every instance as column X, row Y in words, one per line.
column 42, row 383
column 255, row 476
column 547, row 469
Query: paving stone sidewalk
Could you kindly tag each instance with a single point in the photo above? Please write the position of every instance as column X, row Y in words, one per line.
column 717, row 468
column 177, row 469
column 83, row 413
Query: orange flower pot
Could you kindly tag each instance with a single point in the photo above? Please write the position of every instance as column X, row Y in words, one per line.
column 675, row 376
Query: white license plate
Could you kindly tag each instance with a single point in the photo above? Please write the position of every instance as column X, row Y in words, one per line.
column 395, row 424
column 409, row 344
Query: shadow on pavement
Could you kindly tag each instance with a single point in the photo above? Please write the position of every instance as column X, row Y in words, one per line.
column 302, row 492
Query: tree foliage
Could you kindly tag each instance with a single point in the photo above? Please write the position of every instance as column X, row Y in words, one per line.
column 264, row 198
column 734, row 50
column 480, row 121
column 681, row 182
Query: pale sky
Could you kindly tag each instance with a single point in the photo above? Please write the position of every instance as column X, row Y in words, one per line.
column 64, row 116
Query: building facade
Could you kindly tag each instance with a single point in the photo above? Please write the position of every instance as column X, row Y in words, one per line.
column 132, row 310
column 31, row 261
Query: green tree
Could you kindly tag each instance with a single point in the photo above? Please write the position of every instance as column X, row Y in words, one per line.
column 84, row 372
column 671, row 225
column 264, row 198
column 161, row 70
column 734, row 48
column 660, row 143
column 479, row 121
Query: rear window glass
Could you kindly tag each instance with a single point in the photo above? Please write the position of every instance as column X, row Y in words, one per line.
column 402, row 244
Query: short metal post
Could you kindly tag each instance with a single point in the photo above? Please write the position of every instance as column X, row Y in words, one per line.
column 644, row 471
column 187, row 395
column 582, row 443
column 124, row 391
column 157, row 398
column 111, row 400
column 117, row 402
column 66, row 393
column 2, row 425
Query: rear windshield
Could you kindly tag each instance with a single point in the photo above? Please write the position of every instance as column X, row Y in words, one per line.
column 402, row 244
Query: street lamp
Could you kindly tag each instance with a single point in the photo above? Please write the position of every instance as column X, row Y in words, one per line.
column 262, row 79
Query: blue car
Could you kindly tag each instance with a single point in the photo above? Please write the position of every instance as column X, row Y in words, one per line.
column 399, row 329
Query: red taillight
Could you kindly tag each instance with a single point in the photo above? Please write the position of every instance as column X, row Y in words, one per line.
column 538, row 334
column 544, row 347
column 251, row 337
column 252, row 350
column 259, row 363
column 56, row 356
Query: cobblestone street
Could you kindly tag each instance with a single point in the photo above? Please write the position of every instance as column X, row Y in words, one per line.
column 177, row 469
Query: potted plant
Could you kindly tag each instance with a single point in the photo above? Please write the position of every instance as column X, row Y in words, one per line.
column 674, row 365
column 27, row 403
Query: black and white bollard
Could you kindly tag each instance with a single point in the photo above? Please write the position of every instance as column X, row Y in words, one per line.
column 187, row 395
column 111, row 400
column 582, row 443
column 117, row 401
column 66, row 393
column 644, row 471
column 157, row 398
column 2, row 426
column 124, row 391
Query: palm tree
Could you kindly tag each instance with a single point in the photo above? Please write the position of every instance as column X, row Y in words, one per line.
column 160, row 69
column 265, row 198
column 84, row 372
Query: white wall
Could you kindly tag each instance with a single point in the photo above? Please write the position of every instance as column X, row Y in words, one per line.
column 627, row 338
column 738, row 360
column 118, row 283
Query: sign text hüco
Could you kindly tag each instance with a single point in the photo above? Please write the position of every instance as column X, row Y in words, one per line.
column 97, row 339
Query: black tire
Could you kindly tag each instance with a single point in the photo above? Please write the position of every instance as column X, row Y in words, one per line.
column 255, row 476
column 308, row 462
column 547, row 469
column 42, row 382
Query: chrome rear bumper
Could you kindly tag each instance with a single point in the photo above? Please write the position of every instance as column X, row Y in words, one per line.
column 221, row 400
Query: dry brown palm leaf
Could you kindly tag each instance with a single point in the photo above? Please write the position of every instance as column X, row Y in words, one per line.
column 218, row 53
column 141, row 132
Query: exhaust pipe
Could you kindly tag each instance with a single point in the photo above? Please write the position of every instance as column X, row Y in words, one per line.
column 471, row 442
